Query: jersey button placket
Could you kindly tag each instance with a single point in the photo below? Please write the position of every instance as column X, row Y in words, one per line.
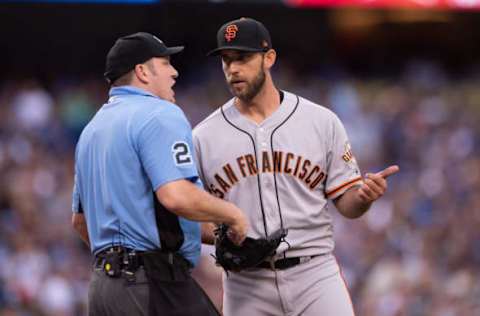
column 264, row 177
column 261, row 139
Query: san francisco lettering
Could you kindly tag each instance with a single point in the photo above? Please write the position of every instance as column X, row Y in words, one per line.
column 281, row 163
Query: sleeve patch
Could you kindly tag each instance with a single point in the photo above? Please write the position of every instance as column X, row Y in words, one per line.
column 181, row 154
column 348, row 154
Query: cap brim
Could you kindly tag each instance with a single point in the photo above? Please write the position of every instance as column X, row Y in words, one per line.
column 217, row 51
column 173, row 50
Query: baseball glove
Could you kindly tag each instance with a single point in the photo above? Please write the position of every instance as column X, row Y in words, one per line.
column 248, row 255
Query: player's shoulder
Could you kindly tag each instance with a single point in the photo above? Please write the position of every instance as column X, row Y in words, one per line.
column 311, row 108
column 212, row 120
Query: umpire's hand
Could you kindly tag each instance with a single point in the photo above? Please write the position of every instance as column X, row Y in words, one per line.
column 238, row 227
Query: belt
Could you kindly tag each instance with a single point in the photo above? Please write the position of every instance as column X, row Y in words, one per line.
column 131, row 259
column 125, row 258
column 285, row 263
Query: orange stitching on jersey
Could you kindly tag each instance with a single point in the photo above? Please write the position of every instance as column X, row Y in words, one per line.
column 351, row 182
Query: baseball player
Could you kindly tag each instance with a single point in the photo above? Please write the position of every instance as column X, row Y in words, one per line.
column 280, row 158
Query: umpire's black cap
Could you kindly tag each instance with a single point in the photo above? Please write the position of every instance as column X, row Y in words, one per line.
column 244, row 34
column 134, row 49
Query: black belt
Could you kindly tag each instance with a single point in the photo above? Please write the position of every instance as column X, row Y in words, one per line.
column 285, row 263
column 116, row 259
column 132, row 260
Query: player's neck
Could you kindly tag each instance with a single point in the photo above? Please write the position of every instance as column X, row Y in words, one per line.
column 262, row 105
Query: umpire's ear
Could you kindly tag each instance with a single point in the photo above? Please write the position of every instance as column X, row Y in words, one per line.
column 141, row 72
column 269, row 59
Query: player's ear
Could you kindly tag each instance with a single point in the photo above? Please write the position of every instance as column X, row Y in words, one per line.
column 269, row 58
column 141, row 72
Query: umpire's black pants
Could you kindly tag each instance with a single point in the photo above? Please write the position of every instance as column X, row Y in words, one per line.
column 121, row 297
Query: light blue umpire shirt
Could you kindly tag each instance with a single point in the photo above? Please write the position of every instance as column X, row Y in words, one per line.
column 134, row 144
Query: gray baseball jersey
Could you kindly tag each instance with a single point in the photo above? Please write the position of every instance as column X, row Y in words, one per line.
column 281, row 171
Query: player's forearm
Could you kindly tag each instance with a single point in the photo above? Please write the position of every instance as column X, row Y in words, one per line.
column 351, row 205
column 80, row 225
column 208, row 235
column 185, row 199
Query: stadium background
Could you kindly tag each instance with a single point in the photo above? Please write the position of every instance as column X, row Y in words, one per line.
column 405, row 83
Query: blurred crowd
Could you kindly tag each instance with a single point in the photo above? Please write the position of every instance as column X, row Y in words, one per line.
column 415, row 253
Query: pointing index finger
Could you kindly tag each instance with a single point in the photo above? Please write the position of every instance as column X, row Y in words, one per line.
column 385, row 173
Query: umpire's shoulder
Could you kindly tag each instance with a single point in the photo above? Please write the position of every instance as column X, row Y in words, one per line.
column 163, row 108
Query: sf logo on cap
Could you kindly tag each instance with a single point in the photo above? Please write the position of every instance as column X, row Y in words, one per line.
column 231, row 32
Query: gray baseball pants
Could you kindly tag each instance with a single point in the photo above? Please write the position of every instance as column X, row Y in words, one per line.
column 313, row 288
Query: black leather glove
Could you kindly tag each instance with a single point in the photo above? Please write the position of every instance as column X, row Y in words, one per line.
column 249, row 254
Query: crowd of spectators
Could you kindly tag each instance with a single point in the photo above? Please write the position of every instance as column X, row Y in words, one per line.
column 415, row 253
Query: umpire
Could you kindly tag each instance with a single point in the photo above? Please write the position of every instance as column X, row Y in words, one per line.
column 137, row 196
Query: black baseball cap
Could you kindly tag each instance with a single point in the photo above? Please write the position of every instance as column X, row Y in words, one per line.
column 134, row 49
column 244, row 34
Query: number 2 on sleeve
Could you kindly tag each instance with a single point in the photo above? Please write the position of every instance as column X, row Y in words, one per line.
column 181, row 154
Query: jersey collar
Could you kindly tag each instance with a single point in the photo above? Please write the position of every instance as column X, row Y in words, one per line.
column 286, row 107
column 129, row 90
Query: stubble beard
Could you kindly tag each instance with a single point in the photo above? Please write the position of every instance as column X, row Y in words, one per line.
column 252, row 88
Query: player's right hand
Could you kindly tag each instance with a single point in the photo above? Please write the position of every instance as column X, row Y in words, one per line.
column 374, row 185
column 238, row 227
